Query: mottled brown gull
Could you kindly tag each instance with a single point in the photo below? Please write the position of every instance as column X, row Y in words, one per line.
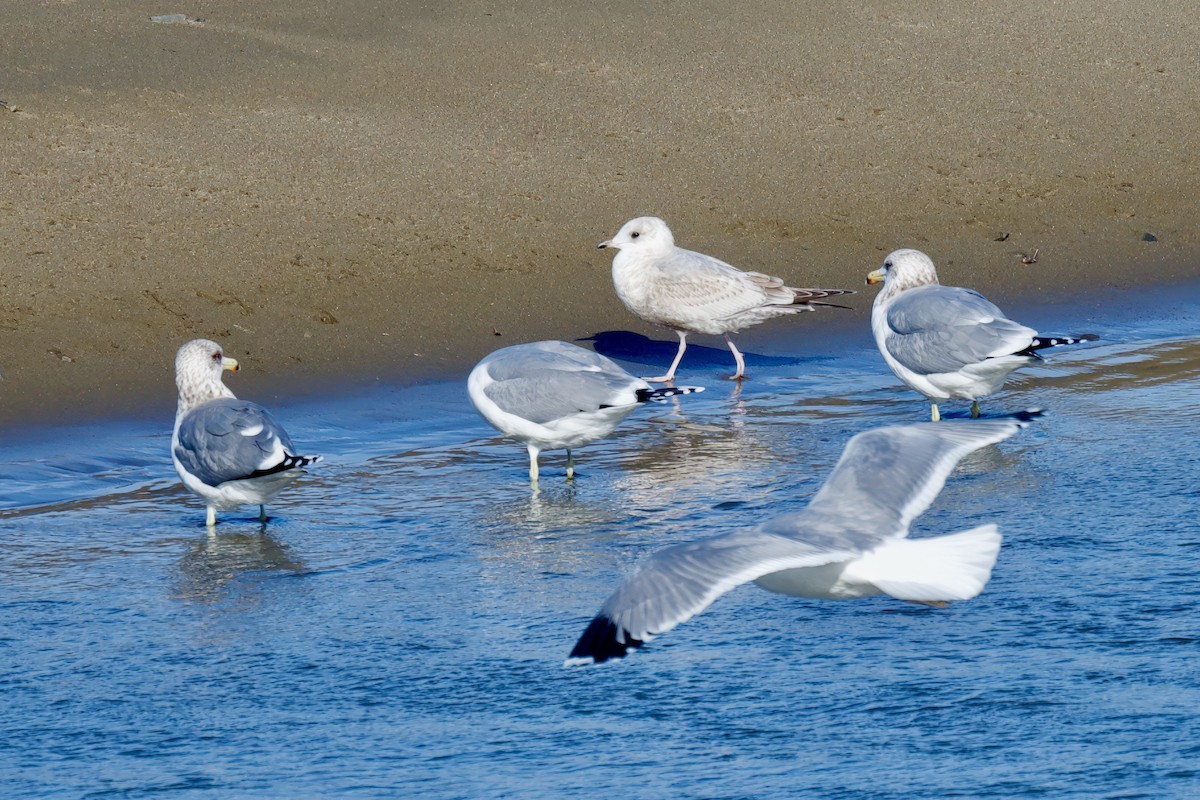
column 691, row 292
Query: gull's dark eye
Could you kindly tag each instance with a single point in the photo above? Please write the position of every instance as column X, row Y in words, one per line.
column 216, row 356
column 887, row 265
column 634, row 235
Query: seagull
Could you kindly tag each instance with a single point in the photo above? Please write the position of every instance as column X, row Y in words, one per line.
column 554, row 395
column 849, row 542
column 230, row 452
column 943, row 341
column 695, row 293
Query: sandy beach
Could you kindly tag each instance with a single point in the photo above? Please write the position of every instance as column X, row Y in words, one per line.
column 369, row 190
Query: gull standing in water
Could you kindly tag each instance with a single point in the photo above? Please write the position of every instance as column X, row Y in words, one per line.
column 850, row 541
column 554, row 395
column 691, row 292
column 230, row 452
column 943, row 341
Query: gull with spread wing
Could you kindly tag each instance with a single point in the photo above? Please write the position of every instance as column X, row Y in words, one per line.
column 850, row 541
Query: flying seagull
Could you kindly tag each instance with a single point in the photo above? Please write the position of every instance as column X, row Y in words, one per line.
column 850, row 541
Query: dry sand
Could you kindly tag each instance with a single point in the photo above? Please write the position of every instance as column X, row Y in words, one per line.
column 373, row 189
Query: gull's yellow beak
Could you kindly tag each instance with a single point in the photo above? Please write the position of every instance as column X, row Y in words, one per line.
column 229, row 364
column 876, row 276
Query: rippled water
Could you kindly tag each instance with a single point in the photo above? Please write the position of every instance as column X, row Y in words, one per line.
column 398, row 627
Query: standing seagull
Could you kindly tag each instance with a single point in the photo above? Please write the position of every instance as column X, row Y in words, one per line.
column 694, row 293
column 553, row 395
column 944, row 341
column 230, row 452
column 849, row 542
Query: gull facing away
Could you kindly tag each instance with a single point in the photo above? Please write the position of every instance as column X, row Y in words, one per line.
column 691, row 292
column 849, row 542
column 555, row 395
column 230, row 452
column 945, row 342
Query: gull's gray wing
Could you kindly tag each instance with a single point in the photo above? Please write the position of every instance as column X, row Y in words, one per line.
column 546, row 381
column 228, row 439
column 544, row 396
column 679, row 582
column 521, row 359
column 883, row 480
column 934, row 329
column 887, row 477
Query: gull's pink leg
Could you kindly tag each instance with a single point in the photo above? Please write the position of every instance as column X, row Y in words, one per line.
column 737, row 356
column 670, row 376
column 533, row 463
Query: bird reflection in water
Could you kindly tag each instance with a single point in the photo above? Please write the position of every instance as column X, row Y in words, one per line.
column 684, row 453
column 663, row 474
column 213, row 563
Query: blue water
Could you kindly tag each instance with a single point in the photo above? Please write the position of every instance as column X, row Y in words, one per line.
column 397, row 629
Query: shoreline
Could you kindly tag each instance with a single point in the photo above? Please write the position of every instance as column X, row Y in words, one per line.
column 340, row 192
column 1107, row 311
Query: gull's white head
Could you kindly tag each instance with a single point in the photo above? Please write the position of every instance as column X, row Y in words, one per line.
column 643, row 233
column 198, row 368
column 904, row 269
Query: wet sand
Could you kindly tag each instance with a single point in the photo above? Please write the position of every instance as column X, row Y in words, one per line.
column 376, row 190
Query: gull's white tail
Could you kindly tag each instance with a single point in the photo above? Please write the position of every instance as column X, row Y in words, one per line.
column 935, row 570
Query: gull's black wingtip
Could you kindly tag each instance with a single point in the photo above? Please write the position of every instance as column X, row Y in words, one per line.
column 602, row 640
column 660, row 395
column 1043, row 342
column 289, row 462
column 1029, row 414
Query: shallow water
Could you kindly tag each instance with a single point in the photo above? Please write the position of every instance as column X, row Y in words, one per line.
column 398, row 627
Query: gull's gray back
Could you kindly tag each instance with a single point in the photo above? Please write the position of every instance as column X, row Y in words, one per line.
column 213, row 444
column 523, row 359
column 936, row 329
column 546, row 381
